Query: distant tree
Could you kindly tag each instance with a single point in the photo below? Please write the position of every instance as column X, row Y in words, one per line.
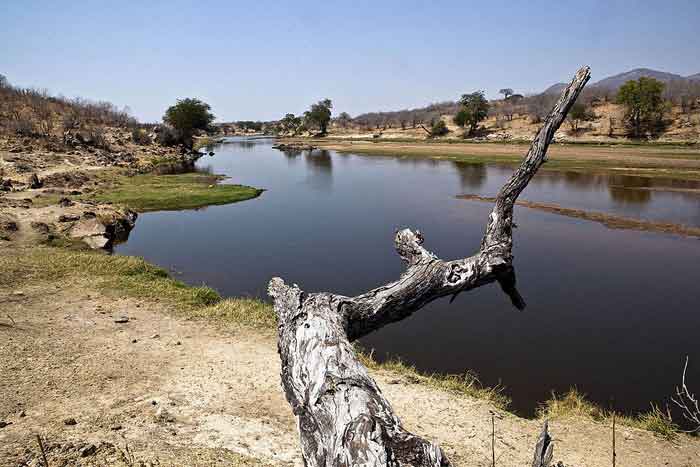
column 188, row 116
column 344, row 119
column 507, row 92
column 475, row 108
column 4, row 83
column 290, row 124
column 578, row 113
column 319, row 115
column 644, row 105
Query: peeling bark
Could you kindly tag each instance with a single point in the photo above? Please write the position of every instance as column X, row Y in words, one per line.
column 343, row 417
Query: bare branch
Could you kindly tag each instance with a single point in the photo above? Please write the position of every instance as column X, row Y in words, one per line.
column 428, row 277
column 687, row 402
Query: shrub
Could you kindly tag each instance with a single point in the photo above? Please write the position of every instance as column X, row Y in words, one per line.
column 140, row 137
column 439, row 129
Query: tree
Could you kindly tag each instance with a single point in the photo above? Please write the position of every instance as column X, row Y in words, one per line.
column 342, row 415
column 290, row 124
column 476, row 109
column 644, row 106
column 188, row 116
column 344, row 119
column 578, row 113
column 319, row 115
column 507, row 92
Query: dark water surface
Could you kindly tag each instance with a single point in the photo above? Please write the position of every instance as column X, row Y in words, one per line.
column 612, row 312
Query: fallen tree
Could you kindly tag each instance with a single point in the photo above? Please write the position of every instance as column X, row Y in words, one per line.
column 343, row 417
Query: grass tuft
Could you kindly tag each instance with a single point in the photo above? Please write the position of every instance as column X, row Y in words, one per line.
column 575, row 404
column 467, row 384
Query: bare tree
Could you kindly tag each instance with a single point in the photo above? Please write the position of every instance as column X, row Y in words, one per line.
column 342, row 415
column 687, row 402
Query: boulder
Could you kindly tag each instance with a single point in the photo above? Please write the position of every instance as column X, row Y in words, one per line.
column 34, row 182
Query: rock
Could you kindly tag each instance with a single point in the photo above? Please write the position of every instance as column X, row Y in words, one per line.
column 211, row 153
column 6, row 185
column 121, row 319
column 162, row 415
column 40, row 227
column 65, row 202
column 88, row 450
column 70, row 421
column 3, row 423
column 89, row 215
column 68, row 218
column 22, row 414
column 34, row 182
column 115, row 427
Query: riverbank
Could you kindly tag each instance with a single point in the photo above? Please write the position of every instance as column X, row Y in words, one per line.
column 78, row 194
column 663, row 160
column 194, row 378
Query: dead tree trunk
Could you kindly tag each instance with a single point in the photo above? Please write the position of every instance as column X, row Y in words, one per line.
column 342, row 415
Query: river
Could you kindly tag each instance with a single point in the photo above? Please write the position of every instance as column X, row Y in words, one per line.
column 612, row 312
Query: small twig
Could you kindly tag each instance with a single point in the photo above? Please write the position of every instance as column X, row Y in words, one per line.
column 614, row 454
column 41, row 448
column 13, row 321
column 493, row 440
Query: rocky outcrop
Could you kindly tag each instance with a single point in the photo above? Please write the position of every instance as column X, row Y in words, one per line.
column 104, row 230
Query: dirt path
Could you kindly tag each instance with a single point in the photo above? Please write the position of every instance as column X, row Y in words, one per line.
column 188, row 392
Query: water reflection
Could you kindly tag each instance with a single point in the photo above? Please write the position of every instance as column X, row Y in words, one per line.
column 471, row 176
column 321, row 165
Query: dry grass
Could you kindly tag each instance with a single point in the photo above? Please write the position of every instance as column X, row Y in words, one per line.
column 575, row 404
column 467, row 384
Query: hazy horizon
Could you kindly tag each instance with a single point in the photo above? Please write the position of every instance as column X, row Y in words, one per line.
column 260, row 61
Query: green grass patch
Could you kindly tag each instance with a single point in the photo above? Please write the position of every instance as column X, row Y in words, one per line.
column 574, row 404
column 126, row 275
column 149, row 192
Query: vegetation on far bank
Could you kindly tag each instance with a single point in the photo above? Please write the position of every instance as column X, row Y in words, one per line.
column 151, row 192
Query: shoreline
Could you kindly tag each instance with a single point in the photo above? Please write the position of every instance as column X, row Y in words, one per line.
column 674, row 162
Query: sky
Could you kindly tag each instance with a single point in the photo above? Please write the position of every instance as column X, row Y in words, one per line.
column 258, row 60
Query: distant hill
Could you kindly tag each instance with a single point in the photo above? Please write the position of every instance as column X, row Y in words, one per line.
column 555, row 88
column 612, row 83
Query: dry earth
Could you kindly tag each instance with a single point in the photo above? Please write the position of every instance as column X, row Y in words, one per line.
column 177, row 391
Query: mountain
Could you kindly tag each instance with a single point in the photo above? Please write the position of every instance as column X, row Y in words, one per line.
column 555, row 88
column 612, row 83
column 695, row 77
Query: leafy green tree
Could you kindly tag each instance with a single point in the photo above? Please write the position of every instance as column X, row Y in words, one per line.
column 343, row 119
column 507, row 92
column 290, row 124
column 186, row 117
column 319, row 115
column 644, row 105
column 475, row 108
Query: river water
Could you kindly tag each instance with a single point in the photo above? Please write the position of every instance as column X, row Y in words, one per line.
column 612, row 312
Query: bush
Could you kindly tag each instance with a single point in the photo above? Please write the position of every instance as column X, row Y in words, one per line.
column 167, row 136
column 140, row 137
column 439, row 129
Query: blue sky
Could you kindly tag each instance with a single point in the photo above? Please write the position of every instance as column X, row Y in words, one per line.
column 261, row 59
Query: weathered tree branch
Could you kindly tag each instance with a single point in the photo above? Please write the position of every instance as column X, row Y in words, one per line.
column 343, row 417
